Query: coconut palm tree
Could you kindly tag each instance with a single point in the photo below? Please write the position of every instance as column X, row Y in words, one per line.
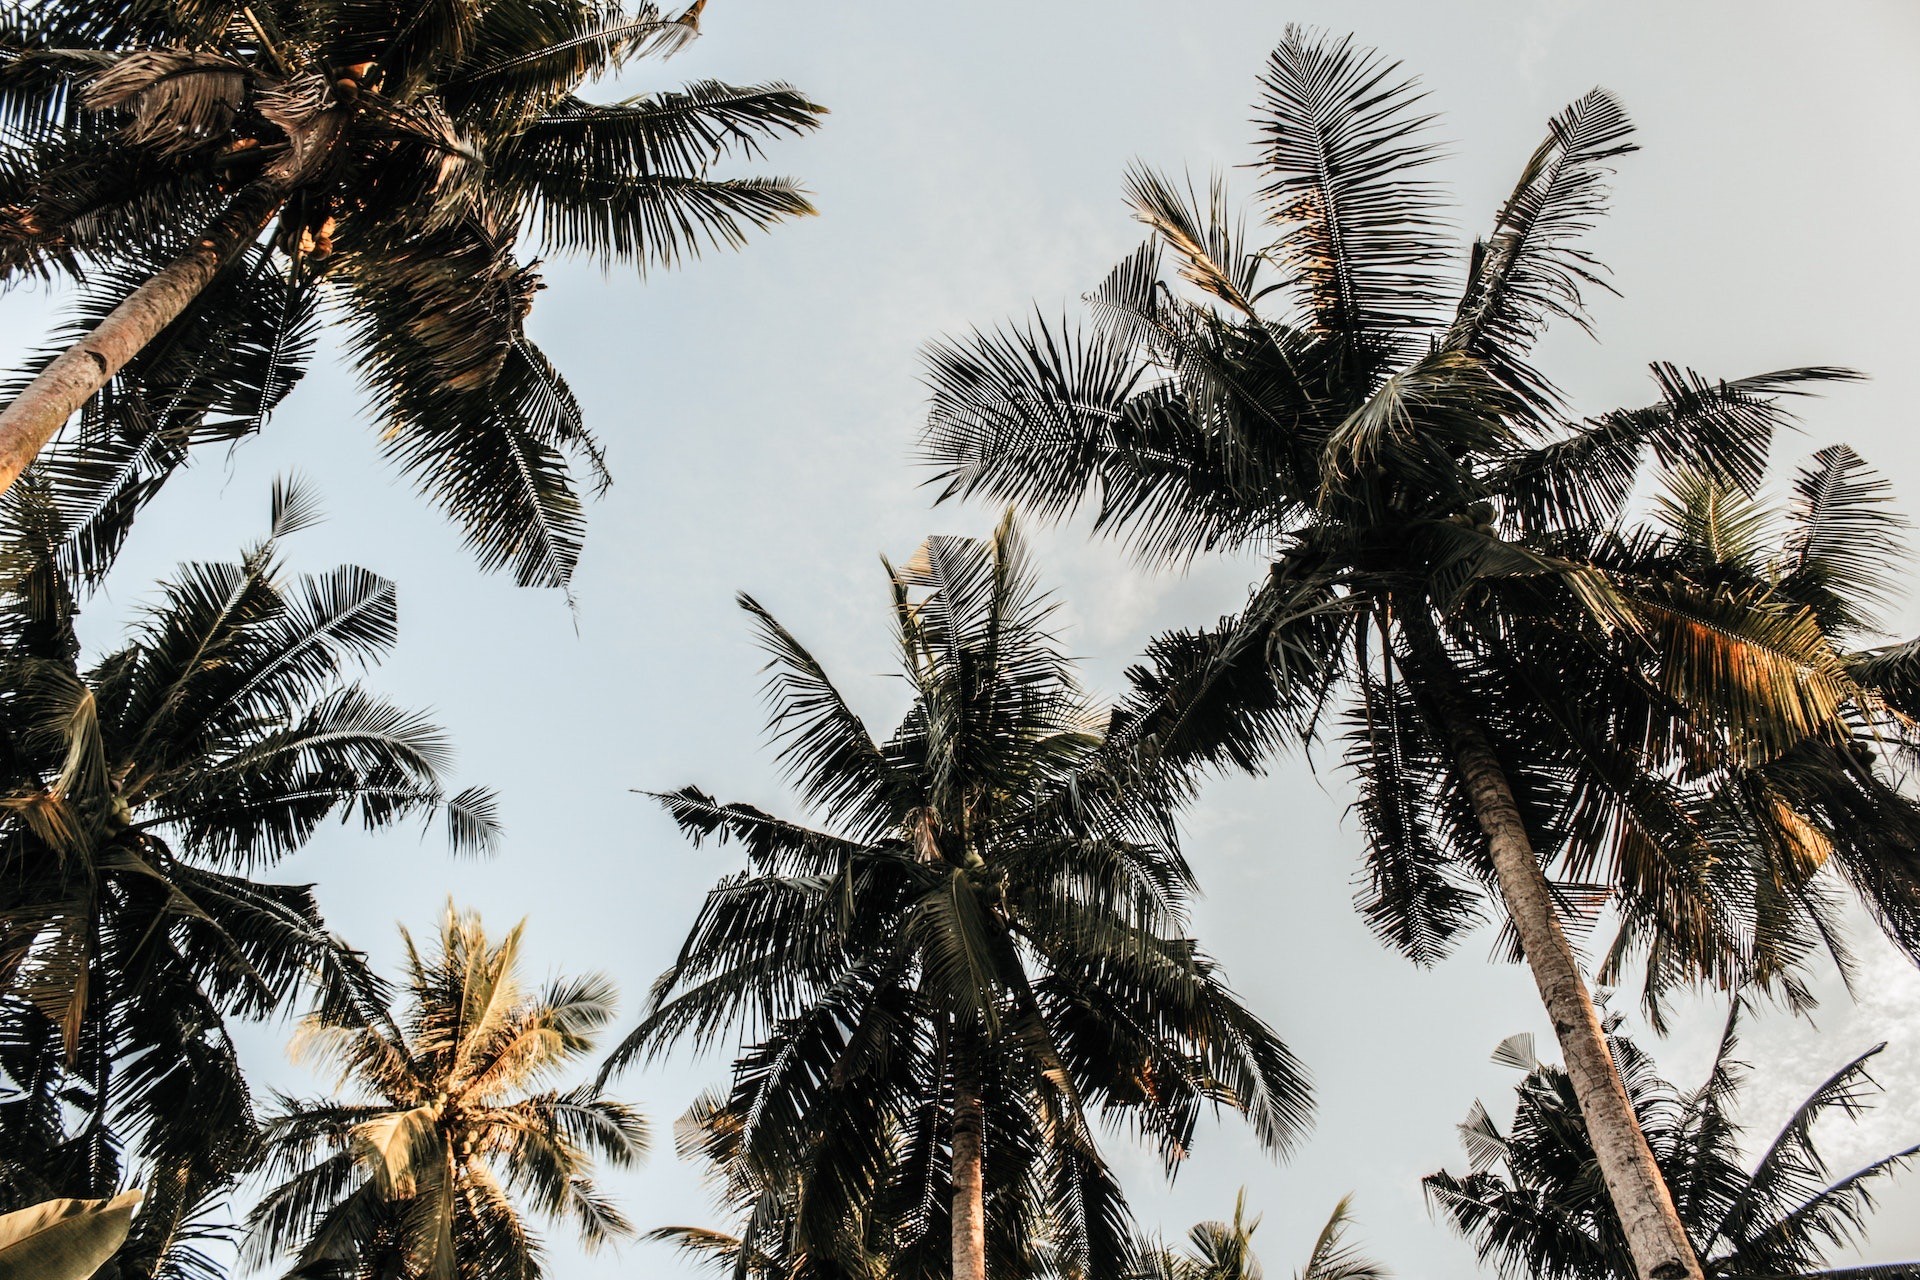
column 980, row 947
column 455, row 1128
column 1224, row 1251
column 226, row 173
column 141, row 793
column 1525, row 688
column 1530, row 1207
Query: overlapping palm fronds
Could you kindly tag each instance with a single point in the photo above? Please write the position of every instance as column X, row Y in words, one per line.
column 1224, row 1251
column 145, row 790
column 1529, row 1202
column 378, row 164
column 1552, row 705
column 457, row 1124
column 982, row 946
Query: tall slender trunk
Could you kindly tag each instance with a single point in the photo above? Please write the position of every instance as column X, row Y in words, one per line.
column 1655, row 1235
column 969, row 1185
column 44, row 406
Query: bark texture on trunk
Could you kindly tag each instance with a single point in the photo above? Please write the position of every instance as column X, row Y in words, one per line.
column 969, row 1187
column 1654, row 1232
column 44, row 406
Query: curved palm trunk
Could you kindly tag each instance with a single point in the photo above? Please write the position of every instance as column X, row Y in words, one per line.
column 1654, row 1232
column 46, row 403
column 969, row 1187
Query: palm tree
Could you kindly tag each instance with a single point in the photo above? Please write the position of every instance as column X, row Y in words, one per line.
column 455, row 1127
column 980, row 947
column 219, row 170
column 1523, row 683
column 140, row 796
column 1530, row 1206
column 1224, row 1251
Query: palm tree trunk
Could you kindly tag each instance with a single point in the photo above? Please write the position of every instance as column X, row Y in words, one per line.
column 969, row 1184
column 1655, row 1234
column 44, row 406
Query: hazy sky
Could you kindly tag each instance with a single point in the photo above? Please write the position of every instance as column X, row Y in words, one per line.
column 759, row 412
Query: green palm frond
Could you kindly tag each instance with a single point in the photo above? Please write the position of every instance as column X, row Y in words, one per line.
column 1842, row 541
column 1532, row 269
column 1334, row 1257
column 1341, row 142
column 1720, row 430
column 1715, row 524
column 1224, row 1251
column 823, row 742
column 1003, row 402
column 680, row 132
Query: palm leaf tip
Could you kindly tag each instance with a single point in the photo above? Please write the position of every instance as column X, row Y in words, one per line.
column 1343, row 140
column 1532, row 268
column 473, row 821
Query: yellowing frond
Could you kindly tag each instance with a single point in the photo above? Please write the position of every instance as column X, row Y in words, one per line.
column 1807, row 845
column 1762, row 670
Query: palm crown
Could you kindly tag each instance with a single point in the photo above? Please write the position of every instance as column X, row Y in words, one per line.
column 456, row 1124
column 142, row 793
column 1778, row 782
column 1417, row 485
column 1528, row 1204
column 1523, row 675
column 394, row 154
column 982, row 950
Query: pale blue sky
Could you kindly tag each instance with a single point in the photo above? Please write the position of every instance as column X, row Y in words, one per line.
column 759, row 411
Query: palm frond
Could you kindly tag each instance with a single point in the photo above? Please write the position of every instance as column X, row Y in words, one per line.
column 1207, row 242
column 822, row 741
column 1722, row 430
column 1341, row 134
column 1532, row 268
column 1333, row 1257
column 1014, row 412
column 1842, row 540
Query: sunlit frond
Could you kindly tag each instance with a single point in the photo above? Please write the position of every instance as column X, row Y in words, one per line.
column 455, row 1141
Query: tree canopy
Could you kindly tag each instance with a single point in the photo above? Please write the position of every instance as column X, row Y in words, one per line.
column 376, row 164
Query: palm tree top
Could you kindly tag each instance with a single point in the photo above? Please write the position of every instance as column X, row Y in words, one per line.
column 1424, row 494
column 473, row 1033
column 453, row 1119
column 1230, row 392
column 211, row 743
column 1224, row 1251
column 144, row 791
column 980, row 953
column 382, row 164
column 998, row 724
column 1528, row 1203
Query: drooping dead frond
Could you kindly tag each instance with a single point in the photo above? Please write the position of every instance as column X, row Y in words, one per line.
column 176, row 100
